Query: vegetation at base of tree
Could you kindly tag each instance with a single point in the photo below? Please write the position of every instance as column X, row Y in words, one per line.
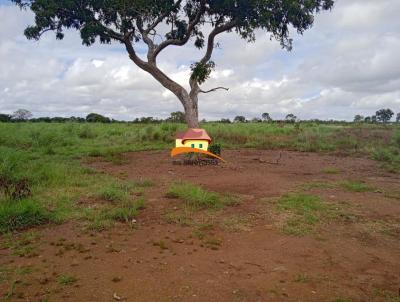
column 215, row 149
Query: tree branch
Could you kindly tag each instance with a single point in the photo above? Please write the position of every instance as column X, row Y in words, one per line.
column 160, row 76
column 210, row 42
column 180, row 42
column 195, row 89
column 214, row 89
column 162, row 17
column 146, row 39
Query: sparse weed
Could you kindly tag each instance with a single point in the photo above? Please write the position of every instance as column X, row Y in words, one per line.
column 331, row 170
column 67, row 279
column 236, row 223
column 199, row 198
column 302, row 278
column 341, row 299
column 306, row 211
column 356, row 186
column 318, row 185
column 23, row 245
column 389, row 296
column 104, row 218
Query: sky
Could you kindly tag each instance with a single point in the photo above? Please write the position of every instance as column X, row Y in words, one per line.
column 347, row 64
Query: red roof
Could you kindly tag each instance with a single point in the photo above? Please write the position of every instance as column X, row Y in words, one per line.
column 193, row 134
column 180, row 134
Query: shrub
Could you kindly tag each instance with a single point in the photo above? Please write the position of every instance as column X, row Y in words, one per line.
column 215, row 149
column 87, row 132
column 16, row 215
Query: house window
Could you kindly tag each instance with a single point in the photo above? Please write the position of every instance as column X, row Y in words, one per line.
column 192, row 145
column 200, row 146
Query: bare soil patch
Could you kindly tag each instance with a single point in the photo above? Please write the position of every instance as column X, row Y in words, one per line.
column 239, row 253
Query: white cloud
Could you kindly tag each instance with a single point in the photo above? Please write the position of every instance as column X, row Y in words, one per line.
column 347, row 64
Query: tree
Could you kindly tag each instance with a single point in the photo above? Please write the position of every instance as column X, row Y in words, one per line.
column 367, row 119
column 21, row 115
column 384, row 115
column 291, row 118
column 256, row 120
column 266, row 117
column 97, row 118
column 239, row 119
column 398, row 118
column 5, row 118
column 373, row 119
column 358, row 118
column 176, row 117
column 225, row 121
column 160, row 24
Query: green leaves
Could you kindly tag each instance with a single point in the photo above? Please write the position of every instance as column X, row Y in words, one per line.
column 201, row 72
column 93, row 17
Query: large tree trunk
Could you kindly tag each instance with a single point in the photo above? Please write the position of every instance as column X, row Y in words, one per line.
column 190, row 105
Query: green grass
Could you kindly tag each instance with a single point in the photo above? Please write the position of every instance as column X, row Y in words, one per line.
column 45, row 160
column 356, row 186
column 331, row 170
column 21, row 214
column 104, row 218
column 67, row 280
column 198, row 198
column 305, row 212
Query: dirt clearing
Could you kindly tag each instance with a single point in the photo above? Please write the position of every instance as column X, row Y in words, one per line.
column 305, row 227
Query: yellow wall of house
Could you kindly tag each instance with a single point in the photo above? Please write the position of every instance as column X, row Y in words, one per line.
column 197, row 143
column 178, row 143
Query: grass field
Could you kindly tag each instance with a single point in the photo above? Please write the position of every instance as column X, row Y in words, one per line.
column 42, row 177
column 74, row 198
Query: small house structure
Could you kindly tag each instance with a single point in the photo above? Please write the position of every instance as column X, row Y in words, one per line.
column 193, row 138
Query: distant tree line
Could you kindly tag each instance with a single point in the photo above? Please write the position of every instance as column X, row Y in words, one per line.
column 381, row 116
column 22, row 115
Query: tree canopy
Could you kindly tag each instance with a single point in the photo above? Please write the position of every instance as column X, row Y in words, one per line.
column 384, row 115
column 163, row 23
column 22, row 115
column 97, row 118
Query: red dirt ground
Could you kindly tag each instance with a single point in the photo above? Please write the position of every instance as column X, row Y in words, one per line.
column 355, row 257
